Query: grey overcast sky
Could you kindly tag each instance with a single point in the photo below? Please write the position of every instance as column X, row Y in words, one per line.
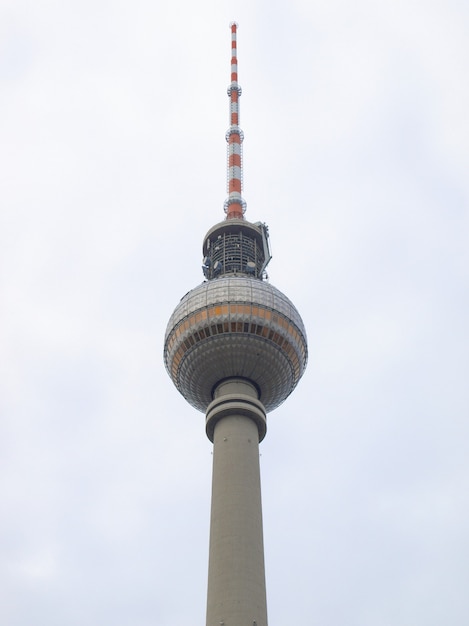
column 112, row 168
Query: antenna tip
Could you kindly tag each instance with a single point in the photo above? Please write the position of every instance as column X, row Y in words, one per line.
column 233, row 25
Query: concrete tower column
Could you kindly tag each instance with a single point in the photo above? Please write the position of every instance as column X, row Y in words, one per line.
column 236, row 423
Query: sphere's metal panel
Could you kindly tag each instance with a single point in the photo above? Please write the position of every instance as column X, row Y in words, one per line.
column 235, row 327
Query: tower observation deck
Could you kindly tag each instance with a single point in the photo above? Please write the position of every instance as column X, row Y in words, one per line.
column 235, row 347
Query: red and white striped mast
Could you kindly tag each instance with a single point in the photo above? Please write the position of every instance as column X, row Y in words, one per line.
column 235, row 206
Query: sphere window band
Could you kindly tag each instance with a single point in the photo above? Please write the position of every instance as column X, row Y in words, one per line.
column 230, row 310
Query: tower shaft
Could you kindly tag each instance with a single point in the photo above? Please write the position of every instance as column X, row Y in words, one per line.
column 236, row 579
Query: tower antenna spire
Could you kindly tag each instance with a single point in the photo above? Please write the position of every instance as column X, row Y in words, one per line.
column 235, row 205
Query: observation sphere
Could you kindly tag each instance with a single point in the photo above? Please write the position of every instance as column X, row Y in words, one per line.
column 235, row 327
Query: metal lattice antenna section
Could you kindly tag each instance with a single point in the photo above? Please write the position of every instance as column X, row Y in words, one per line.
column 235, row 206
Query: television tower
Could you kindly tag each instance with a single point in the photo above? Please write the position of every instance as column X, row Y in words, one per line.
column 235, row 347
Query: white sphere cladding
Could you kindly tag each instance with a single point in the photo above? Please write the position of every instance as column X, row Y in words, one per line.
column 240, row 327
